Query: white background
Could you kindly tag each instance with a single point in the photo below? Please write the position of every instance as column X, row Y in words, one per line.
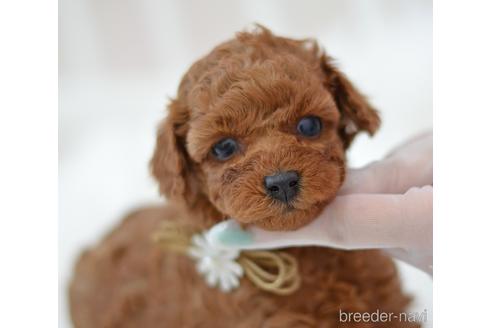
column 120, row 60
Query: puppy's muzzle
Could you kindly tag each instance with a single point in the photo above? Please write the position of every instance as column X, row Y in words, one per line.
column 282, row 186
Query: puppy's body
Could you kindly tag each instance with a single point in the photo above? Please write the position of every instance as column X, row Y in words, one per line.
column 258, row 108
column 127, row 281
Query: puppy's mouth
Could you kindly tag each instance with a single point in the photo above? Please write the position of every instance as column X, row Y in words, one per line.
column 260, row 209
column 289, row 207
column 282, row 199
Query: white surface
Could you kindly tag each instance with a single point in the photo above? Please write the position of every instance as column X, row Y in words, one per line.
column 119, row 61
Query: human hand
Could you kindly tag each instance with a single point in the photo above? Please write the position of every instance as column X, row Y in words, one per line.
column 387, row 205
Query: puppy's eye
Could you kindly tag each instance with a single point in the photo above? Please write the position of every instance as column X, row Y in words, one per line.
column 225, row 148
column 309, row 126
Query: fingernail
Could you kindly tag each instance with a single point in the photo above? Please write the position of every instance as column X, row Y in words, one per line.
column 229, row 233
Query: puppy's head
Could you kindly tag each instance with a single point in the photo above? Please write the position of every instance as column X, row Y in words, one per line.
column 258, row 131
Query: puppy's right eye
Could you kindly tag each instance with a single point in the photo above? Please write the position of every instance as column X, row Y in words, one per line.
column 309, row 126
column 224, row 149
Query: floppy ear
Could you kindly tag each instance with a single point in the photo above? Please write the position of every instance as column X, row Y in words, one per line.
column 356, row 113
column 170, row 164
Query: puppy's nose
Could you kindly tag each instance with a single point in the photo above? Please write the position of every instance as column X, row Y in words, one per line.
column 282, row 186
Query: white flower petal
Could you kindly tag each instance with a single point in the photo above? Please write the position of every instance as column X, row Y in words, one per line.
column 234, row 282
column 229, row 280
column 225, row 286
column 212, row 278
column 202, row 267
column 226, row 283
column 224, row 276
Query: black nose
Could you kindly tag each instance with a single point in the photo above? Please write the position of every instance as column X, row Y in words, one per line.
column 282, row 186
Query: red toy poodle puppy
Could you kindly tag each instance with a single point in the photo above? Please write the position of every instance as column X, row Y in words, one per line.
column 258, row 133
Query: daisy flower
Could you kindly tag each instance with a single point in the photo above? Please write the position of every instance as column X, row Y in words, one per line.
column 216, row 264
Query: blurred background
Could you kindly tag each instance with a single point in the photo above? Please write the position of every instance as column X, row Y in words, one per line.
column 120, row 60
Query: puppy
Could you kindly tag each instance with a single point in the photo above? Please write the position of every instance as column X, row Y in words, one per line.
column 258, row 133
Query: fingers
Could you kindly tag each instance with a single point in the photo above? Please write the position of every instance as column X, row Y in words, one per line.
column 349, row 222
column 367, row 180
column 410, row 165
column 380, row 221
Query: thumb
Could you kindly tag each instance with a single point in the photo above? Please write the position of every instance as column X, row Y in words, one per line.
column 407, row 166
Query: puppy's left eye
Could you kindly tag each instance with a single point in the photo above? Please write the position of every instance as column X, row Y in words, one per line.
column 309, row 126
column 225, row 148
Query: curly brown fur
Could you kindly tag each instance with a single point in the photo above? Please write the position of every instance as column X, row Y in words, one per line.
column 254, row 88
